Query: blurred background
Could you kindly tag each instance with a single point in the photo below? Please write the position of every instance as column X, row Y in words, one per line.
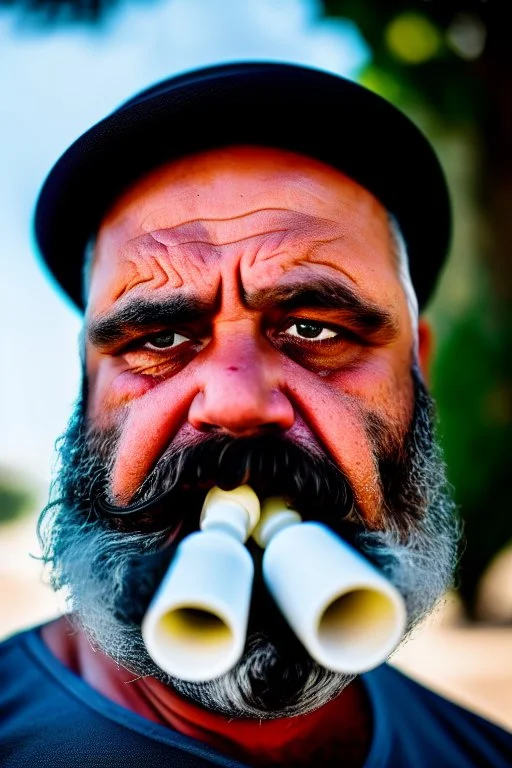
column 64, row 64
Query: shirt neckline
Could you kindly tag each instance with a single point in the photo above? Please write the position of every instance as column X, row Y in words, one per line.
column 377, row 755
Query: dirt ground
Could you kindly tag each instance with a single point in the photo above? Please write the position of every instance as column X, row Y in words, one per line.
column 472, row 665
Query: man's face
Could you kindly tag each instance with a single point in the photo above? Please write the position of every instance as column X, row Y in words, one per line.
column 254, row 290
column 237, row 296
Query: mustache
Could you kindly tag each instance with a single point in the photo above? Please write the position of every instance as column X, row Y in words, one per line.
column 174, row 493
column 271, row 464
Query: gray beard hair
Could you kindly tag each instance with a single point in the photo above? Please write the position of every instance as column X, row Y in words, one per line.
column 90, row 563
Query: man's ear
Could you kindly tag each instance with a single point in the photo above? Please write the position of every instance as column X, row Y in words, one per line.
column 425, row 347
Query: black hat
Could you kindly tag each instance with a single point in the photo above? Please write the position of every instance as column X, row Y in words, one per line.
column 281, row 105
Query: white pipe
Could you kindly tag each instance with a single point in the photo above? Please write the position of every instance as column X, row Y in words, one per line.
column 195, row 626
column 347, row 615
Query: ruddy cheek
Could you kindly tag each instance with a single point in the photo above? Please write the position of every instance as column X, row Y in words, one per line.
column 150, row 425
column 336, row 419
column 110, row 391
column 345, row 439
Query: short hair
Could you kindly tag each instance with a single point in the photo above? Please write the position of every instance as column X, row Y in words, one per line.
column 404, row 274
column 87, row 267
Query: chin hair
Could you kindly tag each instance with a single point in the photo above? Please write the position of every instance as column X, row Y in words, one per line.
column 266, row 685
column 94, row 562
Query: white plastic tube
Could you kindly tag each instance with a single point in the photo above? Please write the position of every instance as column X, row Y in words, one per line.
column 195, row 627
column 347, row 615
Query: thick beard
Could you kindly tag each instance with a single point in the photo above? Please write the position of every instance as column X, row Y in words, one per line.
column 110, row 573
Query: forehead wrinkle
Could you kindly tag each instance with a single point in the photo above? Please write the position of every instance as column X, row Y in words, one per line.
column 155, row 256
column 152, row 243
column 303, row 233
column 361, row 243
column 181, row 234
column 204, row 250
column 298, row 253
column 206, row 230
column 144, row 260
column 315, row 244
column 220, row 244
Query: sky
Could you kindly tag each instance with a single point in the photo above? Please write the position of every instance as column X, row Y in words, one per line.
column 56, row 84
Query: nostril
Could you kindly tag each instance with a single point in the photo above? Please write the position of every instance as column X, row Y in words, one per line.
column 271, row 426
column 255, row 430
column 239, row 431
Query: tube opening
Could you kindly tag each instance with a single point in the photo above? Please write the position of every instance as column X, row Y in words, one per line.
column 358, row 630
column 193, row 643
column 185, row 623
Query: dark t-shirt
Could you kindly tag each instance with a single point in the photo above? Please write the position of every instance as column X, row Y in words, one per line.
column 50, row 718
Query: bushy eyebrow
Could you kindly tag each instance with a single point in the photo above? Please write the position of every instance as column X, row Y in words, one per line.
column 136, row 315
column 141, row 314
column 322, row 293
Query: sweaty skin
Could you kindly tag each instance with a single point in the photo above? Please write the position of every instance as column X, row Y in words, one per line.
column 194, row 324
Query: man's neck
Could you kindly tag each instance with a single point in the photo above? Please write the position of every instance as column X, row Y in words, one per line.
column 337, row 733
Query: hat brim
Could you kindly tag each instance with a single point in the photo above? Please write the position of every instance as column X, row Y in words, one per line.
column 273, row 104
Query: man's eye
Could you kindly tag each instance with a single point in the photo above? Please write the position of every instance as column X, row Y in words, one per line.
column 164, row 340
column 308, row 330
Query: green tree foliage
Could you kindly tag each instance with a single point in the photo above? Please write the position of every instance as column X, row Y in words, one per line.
column 470, row 375
column 447, row 64
column 16, row 497
column 414, row 45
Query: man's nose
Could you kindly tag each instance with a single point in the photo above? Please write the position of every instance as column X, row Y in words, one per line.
column 241, row 390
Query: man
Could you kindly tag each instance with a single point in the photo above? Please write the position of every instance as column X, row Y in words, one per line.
column 252, row 245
